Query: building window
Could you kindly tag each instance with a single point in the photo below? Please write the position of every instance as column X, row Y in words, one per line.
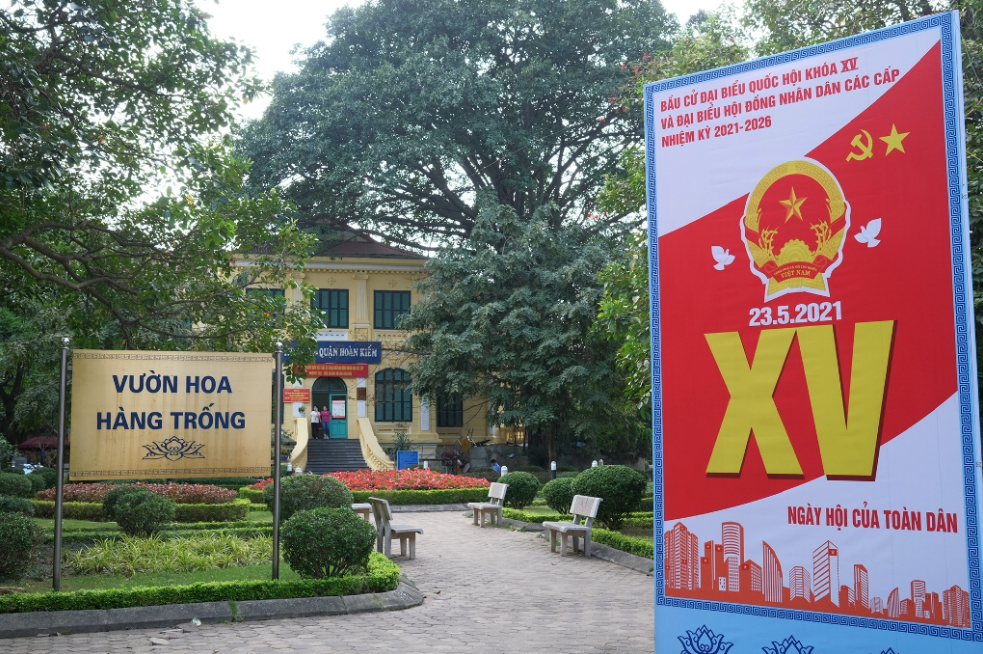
column 333, row 305
column 393, row 400
column 272, row 292
column 389, row 307
column 450, row 411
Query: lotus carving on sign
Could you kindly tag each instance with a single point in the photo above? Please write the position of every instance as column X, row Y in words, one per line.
column 173, row 449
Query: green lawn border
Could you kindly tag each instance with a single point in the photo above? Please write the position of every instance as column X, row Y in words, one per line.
column 382, row 576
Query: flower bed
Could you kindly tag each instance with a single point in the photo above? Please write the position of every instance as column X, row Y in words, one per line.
column 93, row 511
column 179, row 493
column 367, row 480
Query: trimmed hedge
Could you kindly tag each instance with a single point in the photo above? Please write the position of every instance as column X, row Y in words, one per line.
column 632, row 545
column 637, row 520
column 93, row 511
column 110, row 533
column 619, row 487
column 442, row 496
column 383, row 575
column 254, row 495
column 14, row 485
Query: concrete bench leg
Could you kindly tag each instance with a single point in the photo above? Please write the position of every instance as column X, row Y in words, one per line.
column 482, row 518
column 389, row 545
column 412, row 546
column 587, row 545
column 563, row 544
column 474, row 516
column 552, row 541
column 576, row 544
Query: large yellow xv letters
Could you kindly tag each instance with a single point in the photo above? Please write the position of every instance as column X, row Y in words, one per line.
column 847, row 447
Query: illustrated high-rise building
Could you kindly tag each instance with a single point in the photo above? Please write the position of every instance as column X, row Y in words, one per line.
column 933, row 607
column 918, row 596
column 682, row 556
column 720, row 565
column 826, row 573
column 799, row 583
column 955, row 606
column 772, row 581
column 732, row 542
column 751, row 576
column 894, row 604
column 861, row 587
column 846, row 602
column 877, row 605
column 907, row 608
column 708, row 571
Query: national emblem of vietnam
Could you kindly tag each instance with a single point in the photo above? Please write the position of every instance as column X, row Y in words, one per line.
column 794, row 228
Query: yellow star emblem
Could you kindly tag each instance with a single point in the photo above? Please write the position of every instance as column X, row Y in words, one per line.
column 793, row 205
column 894, row 140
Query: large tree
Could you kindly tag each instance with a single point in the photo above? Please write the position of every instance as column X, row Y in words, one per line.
column 506, row 316
column 411, row 113
column 121, row 203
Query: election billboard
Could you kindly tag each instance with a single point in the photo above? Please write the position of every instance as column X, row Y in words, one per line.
column 152, row 415
column 814, row 371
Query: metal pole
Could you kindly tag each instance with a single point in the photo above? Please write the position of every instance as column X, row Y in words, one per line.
column 278, row 419
column 60, row 480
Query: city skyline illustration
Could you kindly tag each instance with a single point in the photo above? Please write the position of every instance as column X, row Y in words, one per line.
column 722, row 571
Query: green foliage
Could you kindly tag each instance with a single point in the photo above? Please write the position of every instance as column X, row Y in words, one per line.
column 115, row 494
column 382, row 576
column 531, row 469
column 120, row 197
column 20, row 505
column 302, row 492
column 71, row 510
column 12, row 471
column 619, row 487
column 20, row 541
column 522, row 490
column 558, row 494
column 408, row 114
column 324, row 543
column 38, row 482
column 143, row 513
column 254, row 495
column 50, row 476
column 637, row 546
column 506, row 317
column 7, row 451
column 203, row 551
column 567, row 475
column 15, row 485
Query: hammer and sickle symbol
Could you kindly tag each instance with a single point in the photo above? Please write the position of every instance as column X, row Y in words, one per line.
column 866, row 150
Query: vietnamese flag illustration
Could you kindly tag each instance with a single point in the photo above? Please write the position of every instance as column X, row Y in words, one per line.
column 881, row 262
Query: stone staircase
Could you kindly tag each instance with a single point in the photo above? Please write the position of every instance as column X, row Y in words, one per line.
column 334, row 455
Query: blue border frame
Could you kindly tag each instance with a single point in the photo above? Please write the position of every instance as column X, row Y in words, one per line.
column 948, row 23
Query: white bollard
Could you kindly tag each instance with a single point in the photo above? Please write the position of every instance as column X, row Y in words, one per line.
column 594, row 464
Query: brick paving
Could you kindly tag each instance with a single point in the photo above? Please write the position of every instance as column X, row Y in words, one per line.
column 487, row 591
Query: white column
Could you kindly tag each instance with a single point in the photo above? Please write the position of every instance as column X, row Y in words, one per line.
column 361, row 297
column 360, row 383
column 424, row 414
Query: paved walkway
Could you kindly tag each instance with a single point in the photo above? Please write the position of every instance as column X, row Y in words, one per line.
column 487, row 591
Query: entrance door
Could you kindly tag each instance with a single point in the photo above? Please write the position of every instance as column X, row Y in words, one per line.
column 332, row 392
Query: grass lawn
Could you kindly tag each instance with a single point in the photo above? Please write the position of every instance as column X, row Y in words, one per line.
column 262, row 516
column 260, row 572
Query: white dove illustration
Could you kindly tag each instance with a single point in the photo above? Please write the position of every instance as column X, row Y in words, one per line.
column 868, row 233
column 721, row 256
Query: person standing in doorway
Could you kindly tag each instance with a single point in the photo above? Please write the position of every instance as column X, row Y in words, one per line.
column 315, row 423
column 326, row 422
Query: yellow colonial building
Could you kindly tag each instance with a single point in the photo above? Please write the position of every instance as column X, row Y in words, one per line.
column 362, row 289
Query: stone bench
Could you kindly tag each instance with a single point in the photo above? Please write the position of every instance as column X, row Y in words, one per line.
column 364, row 510
column 405, row 534
column 584, row 510
column 492, row 508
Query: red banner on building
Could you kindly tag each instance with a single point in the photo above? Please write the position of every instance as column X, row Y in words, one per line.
column 297, row 395
column 337, row 370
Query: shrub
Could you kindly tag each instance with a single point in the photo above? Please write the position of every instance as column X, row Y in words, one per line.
column 20, row 505
column 15, row 485
column 568, row 468
column 50, row 476
column 631, row 544
column 143, row 513
column 522, row 489
column 451, row 496
column 38, row 483
column 488, row 475
column 619, row 487
column 212, row 512
column 253, row 495
column 70, row 510
column 325, row 542
column 567, row 475
column 531, row 469
column 559, row 494
column 303, row 492
column 12, row 471
column 20, row 543
column 113, row 496
column 482, row 469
